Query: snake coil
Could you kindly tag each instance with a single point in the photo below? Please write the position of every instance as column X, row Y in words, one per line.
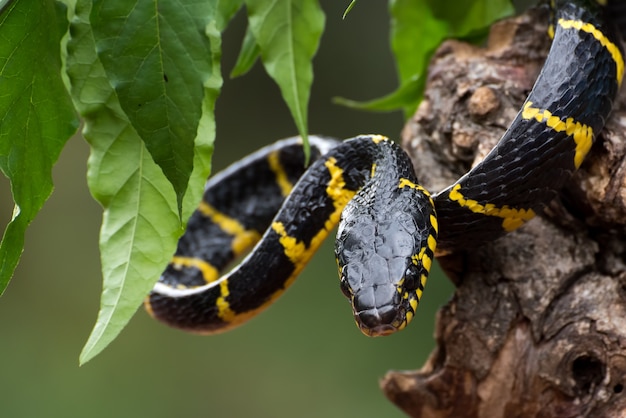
column 389, row 226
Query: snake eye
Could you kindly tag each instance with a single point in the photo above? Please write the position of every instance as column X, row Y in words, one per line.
column 411, row 278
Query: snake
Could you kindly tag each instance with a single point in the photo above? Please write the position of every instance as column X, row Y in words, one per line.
column 271, row 211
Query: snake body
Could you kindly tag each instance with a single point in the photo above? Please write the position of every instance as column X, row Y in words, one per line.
column 389, row 226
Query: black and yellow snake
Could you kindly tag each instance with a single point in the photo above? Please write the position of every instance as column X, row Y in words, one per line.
column 390, row 226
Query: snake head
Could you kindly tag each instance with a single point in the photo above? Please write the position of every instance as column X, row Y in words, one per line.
column 384, row 255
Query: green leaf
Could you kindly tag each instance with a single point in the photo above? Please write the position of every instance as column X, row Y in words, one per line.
column 36, row 114
column 226, row 9
column 288, row 33
column 417, row 29
column 248, row 55
column 155, row 56
column 393, row 101
column 467, row 17
column 141, row 223
column 415, row 35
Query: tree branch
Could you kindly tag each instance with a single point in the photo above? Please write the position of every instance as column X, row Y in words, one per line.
column 537, row 326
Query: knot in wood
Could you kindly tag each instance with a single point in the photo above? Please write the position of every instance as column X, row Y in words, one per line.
column 482, row 102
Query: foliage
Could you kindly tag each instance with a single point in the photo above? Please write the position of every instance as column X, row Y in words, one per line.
column 144, row 76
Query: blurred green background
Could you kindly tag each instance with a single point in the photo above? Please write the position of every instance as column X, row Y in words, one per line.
column 304, row 357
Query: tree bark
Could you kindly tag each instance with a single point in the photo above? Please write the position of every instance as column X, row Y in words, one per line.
column 537, row 326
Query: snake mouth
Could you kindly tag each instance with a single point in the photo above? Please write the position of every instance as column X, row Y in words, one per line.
column 378, row 322
column 380, row 331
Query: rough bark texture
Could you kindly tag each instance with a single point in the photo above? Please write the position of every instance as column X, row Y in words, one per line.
column 537, row 326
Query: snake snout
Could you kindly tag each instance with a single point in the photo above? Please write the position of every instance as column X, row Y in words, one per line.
column 377, row 310
column 378, row 322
